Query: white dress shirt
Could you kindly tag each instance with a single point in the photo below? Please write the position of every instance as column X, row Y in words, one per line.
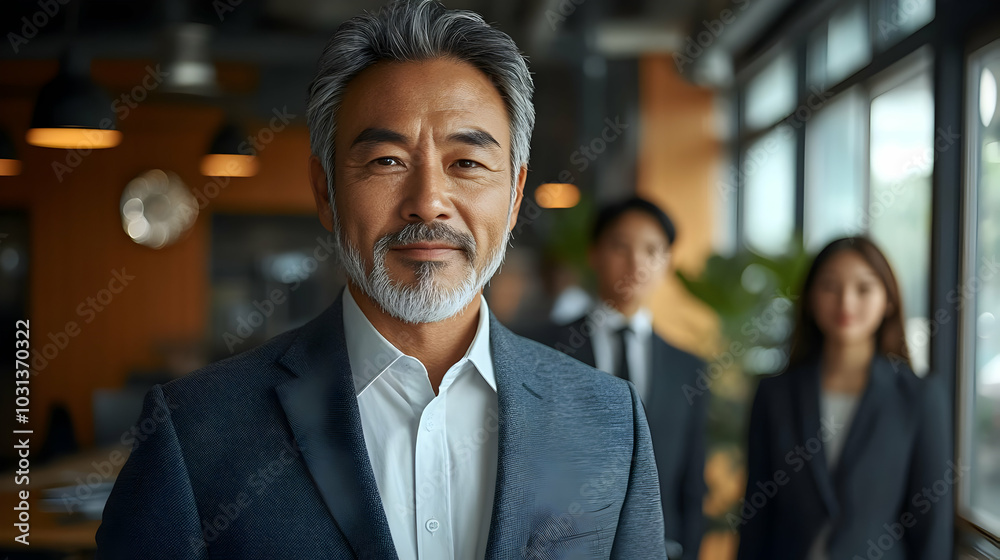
column 434, row 457
column 607, row 322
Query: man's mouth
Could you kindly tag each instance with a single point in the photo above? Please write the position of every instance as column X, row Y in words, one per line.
column 427, row 251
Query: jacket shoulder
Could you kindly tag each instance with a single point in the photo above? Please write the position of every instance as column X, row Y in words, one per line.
column 566, row 375
column 235, row 378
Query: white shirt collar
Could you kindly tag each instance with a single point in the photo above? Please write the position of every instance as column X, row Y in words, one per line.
column 641, row 322
column 371, row 354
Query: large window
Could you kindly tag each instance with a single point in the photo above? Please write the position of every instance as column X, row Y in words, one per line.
column 841, row 46
column 769, row 199
column 767, row 163
column 835, row 189
column 901, row 152
column 979, row 295
column 895, row 19
column 770, row 96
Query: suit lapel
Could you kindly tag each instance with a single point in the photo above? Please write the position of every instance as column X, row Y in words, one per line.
column 521, row 410
column 880, row 383
column 322, row 410
column 807, row 409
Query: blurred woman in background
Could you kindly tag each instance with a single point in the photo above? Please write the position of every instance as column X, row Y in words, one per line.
column 849, row 451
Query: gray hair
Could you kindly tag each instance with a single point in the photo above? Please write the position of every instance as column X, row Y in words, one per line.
column 414, row 31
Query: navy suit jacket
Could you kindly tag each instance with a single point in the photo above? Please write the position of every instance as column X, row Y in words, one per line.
column 263, row 456
column 676, row 425
column 898, row 446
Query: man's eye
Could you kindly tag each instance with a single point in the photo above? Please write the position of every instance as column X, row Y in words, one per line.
column 386, row 161
column 468, row 164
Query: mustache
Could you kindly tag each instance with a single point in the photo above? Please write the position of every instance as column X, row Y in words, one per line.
column 433, row 232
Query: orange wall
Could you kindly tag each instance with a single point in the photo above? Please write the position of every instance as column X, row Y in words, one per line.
column 77, row 238
column 679, row 156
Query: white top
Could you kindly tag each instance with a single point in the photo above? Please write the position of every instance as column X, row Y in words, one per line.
column 836, row 412
column 434, row 457
column 607, row 322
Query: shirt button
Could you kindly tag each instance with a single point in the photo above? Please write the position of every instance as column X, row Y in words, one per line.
column 432, row 525
column 431, row 424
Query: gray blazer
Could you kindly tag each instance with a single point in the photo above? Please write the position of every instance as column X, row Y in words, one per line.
column 676, row 425
column 262, row 455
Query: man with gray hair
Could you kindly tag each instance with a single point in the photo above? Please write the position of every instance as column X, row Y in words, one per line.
column 404, row 421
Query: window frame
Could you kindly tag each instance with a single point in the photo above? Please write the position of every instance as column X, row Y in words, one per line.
column 967, row 334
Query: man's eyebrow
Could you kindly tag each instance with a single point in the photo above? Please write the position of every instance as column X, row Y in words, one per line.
column 378, row 136
column 474, row 137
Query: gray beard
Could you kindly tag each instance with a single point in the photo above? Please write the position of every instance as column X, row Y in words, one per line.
column 426, row 301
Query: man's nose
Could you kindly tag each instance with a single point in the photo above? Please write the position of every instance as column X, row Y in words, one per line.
column 426, row 197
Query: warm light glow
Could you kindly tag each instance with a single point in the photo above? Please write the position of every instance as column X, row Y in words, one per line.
column 229, row 165
column 73, row 138
column 557, row 195
column 10, row 167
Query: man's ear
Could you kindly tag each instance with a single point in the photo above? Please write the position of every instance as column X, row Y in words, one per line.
column 317, row 179
column 522, row 176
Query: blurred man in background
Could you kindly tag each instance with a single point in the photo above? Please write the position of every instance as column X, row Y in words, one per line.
column 630, row 253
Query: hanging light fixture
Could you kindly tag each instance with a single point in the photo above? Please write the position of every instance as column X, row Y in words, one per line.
column 231, row 154
column 9, row 164
column 188, row 65
column 72, row 112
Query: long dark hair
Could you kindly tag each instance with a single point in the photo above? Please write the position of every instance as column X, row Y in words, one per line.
column 890, row 338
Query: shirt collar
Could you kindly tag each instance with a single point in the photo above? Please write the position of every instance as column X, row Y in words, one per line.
column 641, row 322
column 371, row 354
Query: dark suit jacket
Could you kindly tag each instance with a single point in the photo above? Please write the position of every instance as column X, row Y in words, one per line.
column 676, row 424
column 898, row 445
column 263, row 456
